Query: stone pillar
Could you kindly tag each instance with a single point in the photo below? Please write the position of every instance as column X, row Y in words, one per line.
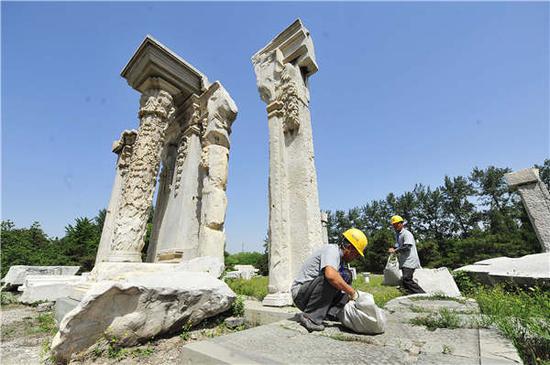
column 221, row 112
column 536, row 200
column 178, row 232
column 123, row 148
column 163, row 196
column 137, row 192
column 282, row 70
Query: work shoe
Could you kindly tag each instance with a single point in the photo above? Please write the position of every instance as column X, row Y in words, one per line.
column 311, row 326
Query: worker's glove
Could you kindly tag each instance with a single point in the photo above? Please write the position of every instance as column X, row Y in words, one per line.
column 354, row 296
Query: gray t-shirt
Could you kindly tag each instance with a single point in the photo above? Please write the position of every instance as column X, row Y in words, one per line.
column 327, row 255
column 406, row 246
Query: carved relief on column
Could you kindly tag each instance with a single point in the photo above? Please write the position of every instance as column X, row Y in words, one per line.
column 221, row 112
column 138, row 188
column 191, row 129
column 123, row 149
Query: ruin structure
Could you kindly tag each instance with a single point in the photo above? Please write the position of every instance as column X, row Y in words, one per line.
column 184, row 129
column 282, row 69
column 536, row 200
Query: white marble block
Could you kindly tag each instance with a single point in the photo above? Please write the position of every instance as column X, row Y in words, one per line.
column 17, row 273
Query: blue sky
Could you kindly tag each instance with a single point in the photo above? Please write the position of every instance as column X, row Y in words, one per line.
column 406, row 93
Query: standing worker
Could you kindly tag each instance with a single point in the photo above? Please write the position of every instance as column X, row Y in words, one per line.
column 405, row 247
column 323, row 282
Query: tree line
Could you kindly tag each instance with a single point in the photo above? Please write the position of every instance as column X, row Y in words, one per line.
column 466, row 219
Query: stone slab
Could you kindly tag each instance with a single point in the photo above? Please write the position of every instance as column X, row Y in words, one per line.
column 527, row 270
column 437, row 281
column 286, row 342
column 116, row 270
column 47, row 287
column 17, row 273
column 256, row 314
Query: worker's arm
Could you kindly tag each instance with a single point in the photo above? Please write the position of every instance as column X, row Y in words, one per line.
column 336, row 280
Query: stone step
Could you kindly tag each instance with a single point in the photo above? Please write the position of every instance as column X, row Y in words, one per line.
column 256, row 314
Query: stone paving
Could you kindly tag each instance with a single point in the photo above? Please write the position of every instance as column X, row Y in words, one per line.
column 286, row 342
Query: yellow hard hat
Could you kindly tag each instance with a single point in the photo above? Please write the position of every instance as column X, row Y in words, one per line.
column 396, row 219
column 357, row 239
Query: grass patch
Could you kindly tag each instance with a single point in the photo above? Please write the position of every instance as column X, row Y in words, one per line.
column 443, row 318
column 382, row 294
column 523, row 316
column 438, row 296
column 255, row 287
column 29, row 326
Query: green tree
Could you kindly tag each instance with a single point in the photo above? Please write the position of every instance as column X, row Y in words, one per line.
column 461, row 212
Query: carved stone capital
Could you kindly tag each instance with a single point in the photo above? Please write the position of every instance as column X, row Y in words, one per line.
column 156, row 102
column 292, row 47
column 221, row 111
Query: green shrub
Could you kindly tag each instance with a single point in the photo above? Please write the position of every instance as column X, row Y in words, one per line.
column 465, row 282
column 7, row 298
column 237, row 308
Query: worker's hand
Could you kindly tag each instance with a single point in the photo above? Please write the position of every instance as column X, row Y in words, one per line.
column 354, row 296
column 391, row 250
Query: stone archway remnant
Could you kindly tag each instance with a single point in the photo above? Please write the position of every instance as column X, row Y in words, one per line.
column 282, row 69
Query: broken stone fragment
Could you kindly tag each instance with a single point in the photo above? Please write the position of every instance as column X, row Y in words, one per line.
column 137, row 308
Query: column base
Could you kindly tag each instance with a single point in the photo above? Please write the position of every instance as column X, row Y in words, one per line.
column 124, row 257
column 277, row 300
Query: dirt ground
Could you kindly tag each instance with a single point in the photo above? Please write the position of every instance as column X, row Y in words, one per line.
column 22, row 337
column 27, row 333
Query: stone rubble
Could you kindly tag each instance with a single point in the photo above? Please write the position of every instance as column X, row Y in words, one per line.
column 136, row 308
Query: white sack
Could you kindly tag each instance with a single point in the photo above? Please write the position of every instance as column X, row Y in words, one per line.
column 392, row 274
column 363, row 315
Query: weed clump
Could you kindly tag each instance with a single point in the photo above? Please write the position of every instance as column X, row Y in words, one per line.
column 443, row 318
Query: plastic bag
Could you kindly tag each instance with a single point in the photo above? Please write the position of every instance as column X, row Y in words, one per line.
column 363, row 315
column 392, row 274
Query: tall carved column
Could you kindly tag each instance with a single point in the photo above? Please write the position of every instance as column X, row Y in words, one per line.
column 282, row 69
column 123, row 148
column 536, row 200
column 221, row 112
column 137, row 192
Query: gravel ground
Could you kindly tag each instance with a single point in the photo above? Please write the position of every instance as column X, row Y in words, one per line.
column 21, row 339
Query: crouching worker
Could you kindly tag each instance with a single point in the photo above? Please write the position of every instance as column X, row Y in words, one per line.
column 323, row 283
